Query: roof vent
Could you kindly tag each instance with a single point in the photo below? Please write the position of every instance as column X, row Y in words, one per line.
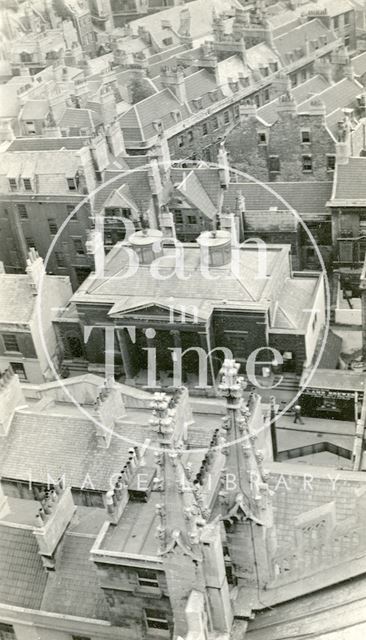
column 147, row 244
column 215, row 248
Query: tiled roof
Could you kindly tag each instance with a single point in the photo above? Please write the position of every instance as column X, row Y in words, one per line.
column 16, row 299
column 198, row 85
column 314, row 85
column 193, row 191
column 22, row 575
column 304, row 197
column 79, row 118
column 73, row 589
column 41, row 444
column 296, row 38
column 359, row 64
column 137, row 122
column 47, row 144
column 350, row 181
column 50, row 168
column 35, row 110
column 201, row 13
column 138, row 184
column 9, row 101
column 341, row 94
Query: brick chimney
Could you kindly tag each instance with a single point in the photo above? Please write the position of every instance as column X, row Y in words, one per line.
column 35, row 270
column 108, row 110
column 52, row 521
column 11, row 398
column 174, row 80
column 115, row 139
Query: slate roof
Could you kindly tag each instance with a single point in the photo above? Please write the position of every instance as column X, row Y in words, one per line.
column 9, row 101
column 138, row 185
column 35, row 110
column 359, row 64
column 79, row 118
column 16, row 299
column 137, row 122
column 296, row 38
column 341, row 94
column 350, row 181
column 47, row 144
column 201, row 12
column 22, row 575
column 44, row 443
column 304, row 197
column 315, row 85
column 239, row 289
column 73, row 589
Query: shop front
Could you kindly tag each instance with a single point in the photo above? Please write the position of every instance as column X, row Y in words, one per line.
column 334, row 394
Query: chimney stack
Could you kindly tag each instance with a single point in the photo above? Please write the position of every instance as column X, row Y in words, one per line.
column 35, row 270
column 11, row 398
column 108, row 407
column 52, row 520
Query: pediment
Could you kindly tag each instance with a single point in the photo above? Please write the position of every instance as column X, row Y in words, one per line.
column 175, row 313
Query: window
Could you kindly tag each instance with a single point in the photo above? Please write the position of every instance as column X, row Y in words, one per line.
column 236, row 111
column 293, row 80
column 71, row 183
column 147, row 578
column 257, row 100
column 22, row 210
column 27, row 184
column 74, row 346
column 178, row 218
column 347, row 40
column 331, row 162
column 262, row 137
column 336, row 22
column 180, row 141
column 347, row 18
column 30, row 242
column 6, row 631
column 215, row 123
column 305, row 137
column 155, row 619
column 60, row 259
column 19, row 370
column 304, row 75
column 167, row 41
column 10, row 342
column 192, row 219
column 30, row 127
column 307, row 164
column 13, row 184
column 78, row 246
column 80, row 637
column 204, row 129
column 52, row 226
column 226, row 117
column 266, row 95
column 274, row 164
column 126, row 213
column 190, row 136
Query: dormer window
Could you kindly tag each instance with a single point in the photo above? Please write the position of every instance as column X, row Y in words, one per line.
column 73, row 182
column 13, row 184
column 27, row 182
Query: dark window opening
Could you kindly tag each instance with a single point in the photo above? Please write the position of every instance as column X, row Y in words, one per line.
column 156, row 620
column 19, row 370
column 10, row 342
column 22, row 210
